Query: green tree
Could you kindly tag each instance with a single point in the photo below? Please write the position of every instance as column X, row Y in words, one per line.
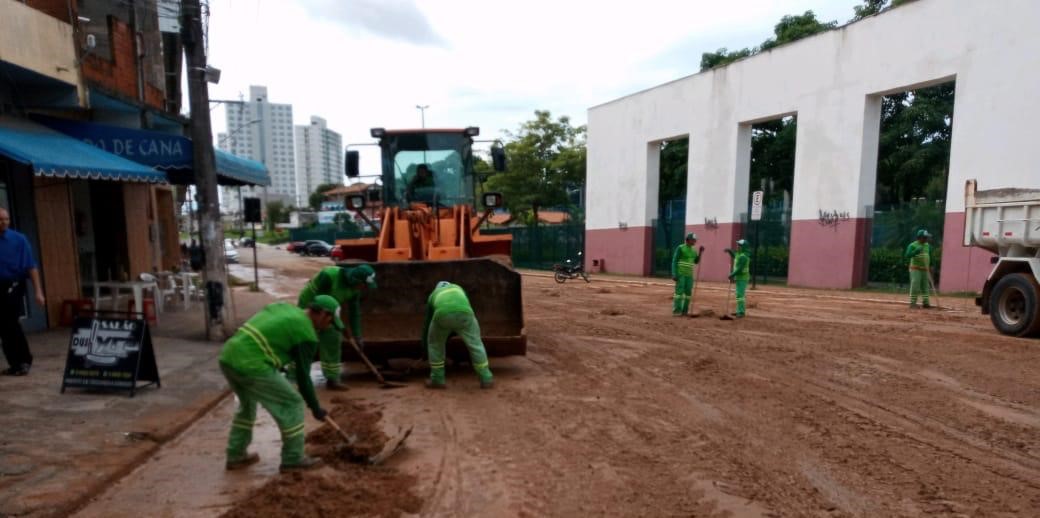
column 914, row 145
column 772, row 158
column 872, row 7
column 277, row 212
column 318, row 196
column 546, row 157
column 723, row 57
column 795, row 27
column 674, row 164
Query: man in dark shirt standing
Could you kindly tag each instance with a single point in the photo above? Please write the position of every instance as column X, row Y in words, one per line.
column 16, row 265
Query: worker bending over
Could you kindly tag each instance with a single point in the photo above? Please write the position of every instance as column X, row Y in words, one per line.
column 448, row 311
column 250, row 360
column 345, row 285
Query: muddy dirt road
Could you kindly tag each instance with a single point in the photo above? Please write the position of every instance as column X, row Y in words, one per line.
column 819, row 404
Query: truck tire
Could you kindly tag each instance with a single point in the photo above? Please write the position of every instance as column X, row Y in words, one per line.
column 1014, row 305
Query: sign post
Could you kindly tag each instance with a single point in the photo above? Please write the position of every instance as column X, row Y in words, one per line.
column 756, row 216
column 251, row 209
column 110, row 353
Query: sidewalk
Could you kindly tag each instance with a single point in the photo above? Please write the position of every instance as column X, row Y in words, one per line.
column 58, row 450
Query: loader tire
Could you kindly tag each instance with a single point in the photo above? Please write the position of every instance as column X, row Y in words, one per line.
column 1014, row 306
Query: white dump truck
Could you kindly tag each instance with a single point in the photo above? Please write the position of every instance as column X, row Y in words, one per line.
column 1007, row 223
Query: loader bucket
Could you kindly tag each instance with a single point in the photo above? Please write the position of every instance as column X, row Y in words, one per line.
column 392, row 316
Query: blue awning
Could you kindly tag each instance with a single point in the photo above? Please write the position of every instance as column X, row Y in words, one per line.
column 51, row 153
column 249, row 172
column 162, row 151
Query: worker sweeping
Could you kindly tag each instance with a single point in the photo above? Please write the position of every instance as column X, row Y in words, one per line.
column 345, row 285
column 683, row 261
column 250, row 360
column 448, row 311
column 740, row 274
column 919, row 252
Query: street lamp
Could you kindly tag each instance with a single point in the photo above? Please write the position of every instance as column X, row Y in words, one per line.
column 422, row 113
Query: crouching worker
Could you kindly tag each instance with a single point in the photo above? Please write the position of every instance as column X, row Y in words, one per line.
column 448, row 311
column 250, row 360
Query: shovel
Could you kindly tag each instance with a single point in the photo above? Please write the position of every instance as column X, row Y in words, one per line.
column 389, row 449
column 935, row 293
column 379, row 376
column 727, row 316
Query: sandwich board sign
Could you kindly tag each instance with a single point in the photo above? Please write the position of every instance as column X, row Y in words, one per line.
column 756, row 205
column 110, row 354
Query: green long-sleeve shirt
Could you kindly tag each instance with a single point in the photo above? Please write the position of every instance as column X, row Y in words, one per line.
column 446, row 299
column 279, row 334
column 741, row 265
column 683, row 259
column 332, row 281
column 919, row 254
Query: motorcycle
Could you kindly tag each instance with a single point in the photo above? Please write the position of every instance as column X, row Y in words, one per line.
column 570, row 270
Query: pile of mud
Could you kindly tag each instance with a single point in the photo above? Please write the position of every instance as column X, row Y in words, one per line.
column 345, row 486
column 360, row 422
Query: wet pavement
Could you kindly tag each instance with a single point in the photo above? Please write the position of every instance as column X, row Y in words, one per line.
column 59, row 450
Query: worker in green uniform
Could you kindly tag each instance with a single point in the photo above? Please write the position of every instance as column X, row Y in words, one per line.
column 448, row 311
column 741, row 274
column 919, row 252
column 250, row 360
column 345, row 284
column 683, row 261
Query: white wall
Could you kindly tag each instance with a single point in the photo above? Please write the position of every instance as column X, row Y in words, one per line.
column 832, row 82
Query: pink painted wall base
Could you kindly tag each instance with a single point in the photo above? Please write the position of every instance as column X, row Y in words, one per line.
column 620, row 250
column 828, row 256
column 963, row 268
column 715, row 265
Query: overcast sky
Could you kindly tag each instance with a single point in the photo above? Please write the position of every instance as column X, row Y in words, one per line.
column 490, row 63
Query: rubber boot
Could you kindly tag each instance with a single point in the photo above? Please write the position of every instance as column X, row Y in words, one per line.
column 335, row 386
column 305, row 464
column 248, row 460
column 430, row 384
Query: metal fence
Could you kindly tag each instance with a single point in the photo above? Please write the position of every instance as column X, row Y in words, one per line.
column 668, row 234
column 537, row 247
column 893, row 228
column 770, row 239
column 541, row 246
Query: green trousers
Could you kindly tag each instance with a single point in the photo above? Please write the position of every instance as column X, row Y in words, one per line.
column 330, row 351
column 919, row 286
column 279, row 398
column 741, row 295
column 681, row 300
column 465, row 325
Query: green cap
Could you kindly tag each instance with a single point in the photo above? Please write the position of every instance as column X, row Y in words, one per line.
column 923, row 233
column 329, row 305
column 690, row 236
column 362, row 274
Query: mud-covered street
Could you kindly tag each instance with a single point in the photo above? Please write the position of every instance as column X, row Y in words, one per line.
column 820, row 403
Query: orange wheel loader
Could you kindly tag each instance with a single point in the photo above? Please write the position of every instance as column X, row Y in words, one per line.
column 427, row 227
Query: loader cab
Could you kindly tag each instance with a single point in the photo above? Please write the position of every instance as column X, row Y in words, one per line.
column 430, row 166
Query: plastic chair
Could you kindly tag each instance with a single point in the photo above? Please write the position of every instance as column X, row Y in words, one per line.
column 71, row 308
column 148, row 307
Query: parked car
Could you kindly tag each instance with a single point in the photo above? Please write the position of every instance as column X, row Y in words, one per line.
column 295, row 247
column 247, row 242
column 230, row 252
column 317, row 249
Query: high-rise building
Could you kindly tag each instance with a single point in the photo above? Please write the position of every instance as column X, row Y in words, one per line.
column 319, row 158
column 261, row 131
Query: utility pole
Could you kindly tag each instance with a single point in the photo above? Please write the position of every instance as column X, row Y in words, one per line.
column 211, row 231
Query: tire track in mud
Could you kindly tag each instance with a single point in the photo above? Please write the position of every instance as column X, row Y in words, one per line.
column 802, row 380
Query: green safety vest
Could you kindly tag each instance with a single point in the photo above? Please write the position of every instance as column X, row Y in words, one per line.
column 332, row 281
column 683, row 259
column 266, row 342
